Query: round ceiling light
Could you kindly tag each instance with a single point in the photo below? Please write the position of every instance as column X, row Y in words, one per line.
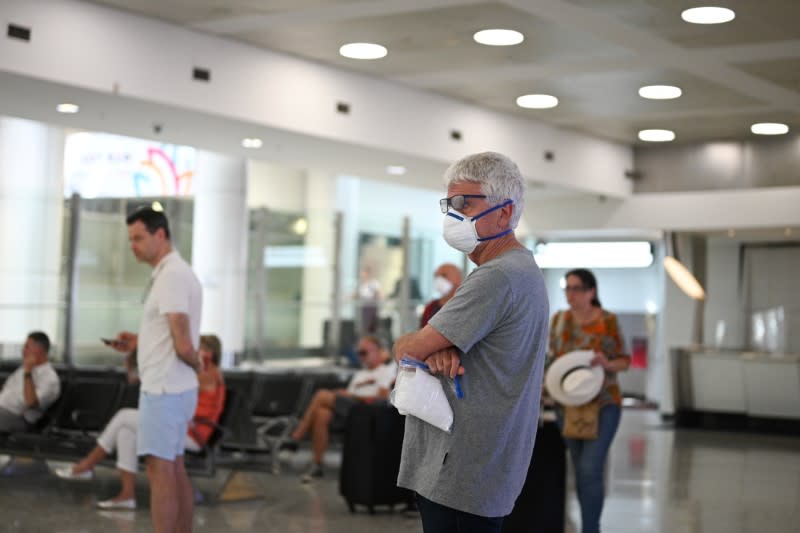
column 67, row 108
column 395, row 170
column 660, row 92
column 708, row 15
column 537, row 101
column 498, row 37
column 363, row 51
column 252, row 142
column 769, row 128
column 656, row 136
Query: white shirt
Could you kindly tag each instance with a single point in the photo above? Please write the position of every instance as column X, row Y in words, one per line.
column 46, row 383
column 174, row 289
column 366, row 383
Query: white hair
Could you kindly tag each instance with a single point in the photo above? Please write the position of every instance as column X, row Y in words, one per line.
column 498, row 176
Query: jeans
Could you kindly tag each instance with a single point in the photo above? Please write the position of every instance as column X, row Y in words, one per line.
column 588, row 460
column 437, row 518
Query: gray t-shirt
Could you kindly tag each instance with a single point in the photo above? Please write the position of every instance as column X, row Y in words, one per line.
column 498, row 319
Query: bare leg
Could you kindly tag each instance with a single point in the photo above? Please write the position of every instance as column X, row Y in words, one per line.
column 90, row 461
column 322, row 398
column 320, row 433
column 185, row 497
column 163, row 494
column 128, row 489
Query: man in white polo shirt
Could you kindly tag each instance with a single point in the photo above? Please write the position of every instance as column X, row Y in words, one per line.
column 31, row 389
column 168, row 363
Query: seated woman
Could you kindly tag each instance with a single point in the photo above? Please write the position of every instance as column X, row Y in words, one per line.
column 120, row 433
column 330, row 407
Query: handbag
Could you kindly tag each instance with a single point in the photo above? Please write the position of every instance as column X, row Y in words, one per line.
column 580, row 421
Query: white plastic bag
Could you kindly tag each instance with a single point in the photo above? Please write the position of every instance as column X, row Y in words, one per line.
column 418, row 393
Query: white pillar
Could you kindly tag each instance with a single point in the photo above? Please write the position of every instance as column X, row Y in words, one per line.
column 219, row 245
column 317, row 278
column 31, row 218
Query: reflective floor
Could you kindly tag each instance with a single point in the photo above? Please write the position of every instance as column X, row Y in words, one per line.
column 659, row 480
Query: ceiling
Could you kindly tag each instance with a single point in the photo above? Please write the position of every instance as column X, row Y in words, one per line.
column 592, row 54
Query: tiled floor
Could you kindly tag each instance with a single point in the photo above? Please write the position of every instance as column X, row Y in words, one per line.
column 659, row 480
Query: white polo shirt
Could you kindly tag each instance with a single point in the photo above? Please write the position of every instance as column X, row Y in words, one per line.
column 173, row 289
column 46, row 383
column 366, row 383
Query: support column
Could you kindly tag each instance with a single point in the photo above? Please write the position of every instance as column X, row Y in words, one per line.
column 317, row 278
column 31, row 218
column 219, row 245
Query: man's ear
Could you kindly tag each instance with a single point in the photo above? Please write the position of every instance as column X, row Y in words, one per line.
column 506, row 213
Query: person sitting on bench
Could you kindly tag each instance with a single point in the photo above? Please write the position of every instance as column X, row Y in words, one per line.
column 31, row 388
column 120, row 433
column 329, row 408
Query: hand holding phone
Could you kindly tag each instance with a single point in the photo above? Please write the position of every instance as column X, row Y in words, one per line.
column 114, row 343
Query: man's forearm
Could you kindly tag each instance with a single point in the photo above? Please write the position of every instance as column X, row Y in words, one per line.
column 29, row 391
column 188, row 357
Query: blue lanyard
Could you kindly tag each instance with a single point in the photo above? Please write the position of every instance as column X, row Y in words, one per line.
column 409, row 362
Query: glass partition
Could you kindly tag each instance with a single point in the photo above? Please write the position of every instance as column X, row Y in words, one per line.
column 290, row 280
column 111, row 282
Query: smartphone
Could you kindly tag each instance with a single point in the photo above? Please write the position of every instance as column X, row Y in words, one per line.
column 111, row 342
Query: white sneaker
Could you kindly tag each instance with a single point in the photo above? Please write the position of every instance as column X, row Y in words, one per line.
column 67, row 473
column 117, row 504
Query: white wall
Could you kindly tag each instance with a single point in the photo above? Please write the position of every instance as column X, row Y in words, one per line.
column 275, row 187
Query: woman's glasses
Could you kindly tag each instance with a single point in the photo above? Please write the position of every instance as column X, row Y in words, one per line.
column 574, row 288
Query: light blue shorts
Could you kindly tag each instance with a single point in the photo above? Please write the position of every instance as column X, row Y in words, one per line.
column 163, row 423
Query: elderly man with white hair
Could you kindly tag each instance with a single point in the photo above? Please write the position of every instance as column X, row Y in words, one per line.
column 493, row 333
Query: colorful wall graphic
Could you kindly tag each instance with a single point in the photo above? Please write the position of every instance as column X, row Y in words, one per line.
column 100, row 165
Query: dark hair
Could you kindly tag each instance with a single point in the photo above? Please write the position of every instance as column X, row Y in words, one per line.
column 587, row 280
column 214, row 345
column 152, row 220
column 40, row 338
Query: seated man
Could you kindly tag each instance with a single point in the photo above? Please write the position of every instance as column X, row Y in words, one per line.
column 31, row 389
column 330, row 407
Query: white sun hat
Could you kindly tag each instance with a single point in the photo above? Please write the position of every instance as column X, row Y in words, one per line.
column 572, row 380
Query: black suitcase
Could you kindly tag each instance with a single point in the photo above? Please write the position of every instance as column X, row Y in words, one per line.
column 373, row 442
column 541, row 505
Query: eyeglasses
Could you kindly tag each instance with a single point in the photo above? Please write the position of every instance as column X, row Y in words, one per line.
column 457, row 201
column 575, row 288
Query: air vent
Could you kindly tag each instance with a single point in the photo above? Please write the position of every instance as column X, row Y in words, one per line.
column 201, row 74
column 19, row 32
column 343, row 108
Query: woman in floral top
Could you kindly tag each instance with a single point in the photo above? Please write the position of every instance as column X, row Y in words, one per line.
column 587, row 326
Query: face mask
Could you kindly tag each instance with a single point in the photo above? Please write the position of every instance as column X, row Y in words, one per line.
column 460, row 232
column 441, row 285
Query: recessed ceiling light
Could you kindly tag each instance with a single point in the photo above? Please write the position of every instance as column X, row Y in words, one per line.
column 708, row 15
column 498, row 37
column 252, row 142
column 660, row 92
column 363, row 51
column 769, row 128
column 657, row 136
column 537, row 101
column 396, row 170
column 67, row 108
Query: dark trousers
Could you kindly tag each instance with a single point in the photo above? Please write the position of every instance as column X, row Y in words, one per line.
column 438, row 518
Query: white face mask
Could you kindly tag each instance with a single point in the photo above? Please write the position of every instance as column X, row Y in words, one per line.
column 460, row 233
column 442, row 286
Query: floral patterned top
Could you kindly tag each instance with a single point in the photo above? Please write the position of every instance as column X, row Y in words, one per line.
column 602, row 335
